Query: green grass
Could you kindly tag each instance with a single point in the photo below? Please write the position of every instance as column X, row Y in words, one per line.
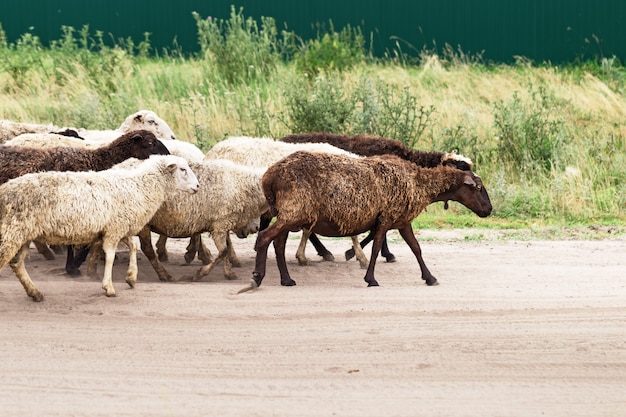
column 549, row 142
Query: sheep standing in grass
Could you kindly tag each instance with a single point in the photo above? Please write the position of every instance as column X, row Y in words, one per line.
column 70, row 208
column 337, row 196
column 369, row 146
column 229, row 199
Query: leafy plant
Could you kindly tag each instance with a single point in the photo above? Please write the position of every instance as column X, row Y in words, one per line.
column 527, row 131
column 330, row 51
column 239, row 49
column 318, row 106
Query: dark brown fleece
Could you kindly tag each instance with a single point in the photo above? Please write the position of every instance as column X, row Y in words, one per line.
column 16, row 161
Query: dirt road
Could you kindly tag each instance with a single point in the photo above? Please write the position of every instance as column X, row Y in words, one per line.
column 515, row 329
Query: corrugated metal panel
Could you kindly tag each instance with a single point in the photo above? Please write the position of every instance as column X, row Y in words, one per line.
column 554, row 30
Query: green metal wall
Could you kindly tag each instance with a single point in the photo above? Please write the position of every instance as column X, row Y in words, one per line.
column 541, row 30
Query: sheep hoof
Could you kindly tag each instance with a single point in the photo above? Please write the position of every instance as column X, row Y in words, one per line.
column 163, row 257
column 252, row 286
column 36, row 296
column 303, row 261
column 73, row 272
column 431, row 282
column 349, row 254
column 235, row 263
column 230, row 276
column 287, row 282
column 328, row 257
column 189, row 257
column 372, row 283
column 130, row 283
column 111, row 293
column 391, row 258
column 165, row 278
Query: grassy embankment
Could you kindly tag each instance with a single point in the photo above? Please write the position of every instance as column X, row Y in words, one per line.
column 549, row 142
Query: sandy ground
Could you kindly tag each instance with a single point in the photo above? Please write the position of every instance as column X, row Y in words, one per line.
column 516, row 328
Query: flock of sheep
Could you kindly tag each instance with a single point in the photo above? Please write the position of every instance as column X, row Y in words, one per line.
column 91, row 190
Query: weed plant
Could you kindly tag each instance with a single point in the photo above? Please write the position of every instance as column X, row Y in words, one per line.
column 549, row 143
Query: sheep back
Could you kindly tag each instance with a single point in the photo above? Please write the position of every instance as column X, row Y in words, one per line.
column 263, row 152
column 16, row 160
column 229, row 198
column 10, row 129
column 351, row 195
column 373, row 145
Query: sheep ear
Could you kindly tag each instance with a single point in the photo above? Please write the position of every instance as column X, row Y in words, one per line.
column 139, row 117
column 172, row 166
column 469, row 181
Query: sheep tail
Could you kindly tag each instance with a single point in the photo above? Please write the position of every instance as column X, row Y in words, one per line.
column 250, row 287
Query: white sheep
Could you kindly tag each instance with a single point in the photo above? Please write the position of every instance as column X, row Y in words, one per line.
column 74, row 208
column 264, row 152
column 10, row 129
column 230, row 199
column 186, row 150
column 143, row 119
column 50, row 140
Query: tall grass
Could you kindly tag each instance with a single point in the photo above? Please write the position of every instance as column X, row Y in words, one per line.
column 549, row 142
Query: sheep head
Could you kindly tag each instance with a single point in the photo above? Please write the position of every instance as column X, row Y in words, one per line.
column 469, row 191
column 148, row 120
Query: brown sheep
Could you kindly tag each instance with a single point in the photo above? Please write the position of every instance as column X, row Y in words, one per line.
column 326, row 194
column 369, row 146
column 16, row 161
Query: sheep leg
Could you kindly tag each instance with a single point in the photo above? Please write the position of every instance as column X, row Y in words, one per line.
column 232, row 255
column 204, row 254
column 131, row 273
column 57, row 249
column 300, row 256
column 390, row 257
column 17, row 265
column 360, row 255
column 264, row 221
column 384, row 251
column 161, row 249
column 409, row 237
column 109, row 248
column 222, row 243
column 81, row 255
column 379, row 236
column 43, row 249
column 192, row 248
column 263, row 240
column 93, row 257
column 145, row 240
column 279, row 248
column 70, row 262
column 320, row 248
